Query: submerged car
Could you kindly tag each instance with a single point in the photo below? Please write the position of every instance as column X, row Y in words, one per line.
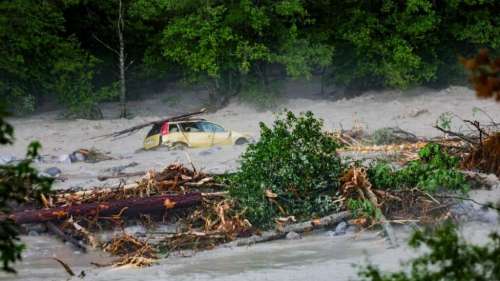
column 192, row 133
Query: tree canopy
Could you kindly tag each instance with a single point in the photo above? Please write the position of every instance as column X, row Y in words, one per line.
column 61, row 49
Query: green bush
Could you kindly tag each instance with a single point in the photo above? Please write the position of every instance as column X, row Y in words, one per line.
column 449, row 258
column 363, row 208
column 295, row 161
column 434, row 169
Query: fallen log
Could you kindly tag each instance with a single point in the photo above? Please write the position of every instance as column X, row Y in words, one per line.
column 133, row 129
column 302, row 227
column 127, row 208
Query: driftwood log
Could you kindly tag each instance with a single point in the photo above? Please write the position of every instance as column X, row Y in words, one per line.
column 133, row 129
column 302, row 227
column 126, row 208
column 54, row 229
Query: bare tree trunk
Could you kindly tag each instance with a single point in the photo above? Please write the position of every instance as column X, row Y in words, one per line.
column 123, row 89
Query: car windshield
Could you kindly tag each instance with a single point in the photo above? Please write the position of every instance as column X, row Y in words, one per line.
column 211, row 127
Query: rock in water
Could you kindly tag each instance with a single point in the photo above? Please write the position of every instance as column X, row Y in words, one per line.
column 53, row 171
column 77, row 157
column 64, row 159
column 341, row 228
column 292, row 235
column 6, row 159
column 330, row 233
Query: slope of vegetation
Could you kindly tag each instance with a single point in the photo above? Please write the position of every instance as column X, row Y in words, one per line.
column 68, row 50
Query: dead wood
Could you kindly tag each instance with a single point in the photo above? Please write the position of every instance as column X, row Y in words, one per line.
column 458, row 135
column 302, row 227
column 65, row 266
column 134, row 129
column 173, row 179
column 355, row 184
column 131, row 251
column 54, row 229
column 485, row 156
column 131, row 207
column 91, row 239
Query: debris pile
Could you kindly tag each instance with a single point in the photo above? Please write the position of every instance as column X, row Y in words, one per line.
column 213, row 223
column 485, row 156
column 76, row 216
column 277, row 192
column 131, row 251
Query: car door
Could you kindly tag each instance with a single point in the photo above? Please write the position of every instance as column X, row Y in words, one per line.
column 194, row 134
column 152, row 139
column 173, row 135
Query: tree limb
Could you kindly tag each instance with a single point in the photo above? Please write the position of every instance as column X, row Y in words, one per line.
column 459, row 135
column 298, row 227
column 106, row 45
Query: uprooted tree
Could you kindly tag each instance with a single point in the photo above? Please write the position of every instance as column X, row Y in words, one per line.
column 293, row 170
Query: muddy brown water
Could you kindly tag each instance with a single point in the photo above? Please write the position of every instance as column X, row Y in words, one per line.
column 317, row 256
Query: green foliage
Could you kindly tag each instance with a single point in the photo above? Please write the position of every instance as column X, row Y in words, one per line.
column 444, row 120
column 75, row 88
column 262, row 97
column 38, row 60
column 446, row 257
column 17, row 183
column 400, row 44
column 294, row 160
column 49, row 50
column 435, row 169
column 364, row 208
column 234, row 43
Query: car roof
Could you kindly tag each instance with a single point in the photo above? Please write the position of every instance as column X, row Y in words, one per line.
column 188, row 121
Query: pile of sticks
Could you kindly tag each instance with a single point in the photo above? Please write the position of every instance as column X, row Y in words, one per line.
column 73, row 216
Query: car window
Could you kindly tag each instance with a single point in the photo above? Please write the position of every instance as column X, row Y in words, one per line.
column 211, row 127
column 191, row 127
column 154, row 130
column 173, row 128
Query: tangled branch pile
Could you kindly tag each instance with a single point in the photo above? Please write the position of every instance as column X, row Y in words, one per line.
column 158, row 194
column 131, row 251
column 485, row 156
column 216, row 221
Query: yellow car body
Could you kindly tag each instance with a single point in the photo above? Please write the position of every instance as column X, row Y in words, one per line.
column 192, row 133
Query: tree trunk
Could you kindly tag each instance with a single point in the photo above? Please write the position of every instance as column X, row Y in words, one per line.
column 123, row 89
column 128, row 208
column 302, row 227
